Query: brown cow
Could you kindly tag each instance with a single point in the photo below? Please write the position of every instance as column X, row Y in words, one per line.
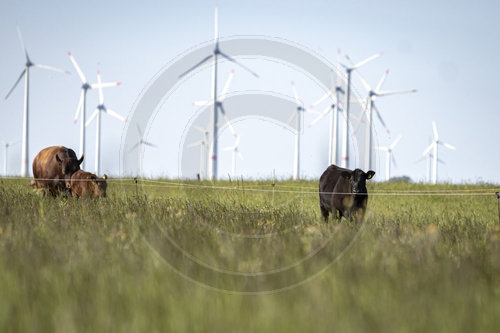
column 53, row 167
column 85, row 184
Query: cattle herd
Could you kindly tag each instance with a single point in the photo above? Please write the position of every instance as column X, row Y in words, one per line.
column 57, row 169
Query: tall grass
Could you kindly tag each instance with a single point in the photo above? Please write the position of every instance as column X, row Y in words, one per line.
column 200, row 259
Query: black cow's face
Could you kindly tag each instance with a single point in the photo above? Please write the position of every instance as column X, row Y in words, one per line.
column 357, row 179
column 69, row 165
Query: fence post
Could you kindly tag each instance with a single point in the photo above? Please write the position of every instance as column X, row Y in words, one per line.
column 136, row 191
column 273, row 184
column 498, row 199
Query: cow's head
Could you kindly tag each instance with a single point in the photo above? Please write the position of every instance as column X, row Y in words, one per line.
column 100, row 186
column 357, row 179
column 69, row 165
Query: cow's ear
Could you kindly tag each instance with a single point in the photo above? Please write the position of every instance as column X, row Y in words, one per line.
column 370, row 174
column 68, row 185
column 105, row 176
column 80, row 160
column 58, row 159
column 346, row 174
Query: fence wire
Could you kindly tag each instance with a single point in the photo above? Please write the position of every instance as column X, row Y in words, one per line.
column 276, row 187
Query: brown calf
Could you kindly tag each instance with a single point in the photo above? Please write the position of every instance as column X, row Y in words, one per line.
column 86, row 185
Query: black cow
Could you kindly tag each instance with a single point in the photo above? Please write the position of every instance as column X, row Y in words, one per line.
column 343, row 190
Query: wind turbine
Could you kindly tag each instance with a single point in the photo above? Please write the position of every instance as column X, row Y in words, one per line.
column 97, row 114
column 6, row 146
column 333, row 110
column 434, row 147
column 140, row 147
column 25, row 73
column 82, row 104
column 235, row 151
column 370, row 107
column 297, row 115
column 389, row 157
column 216, row 105
column 347, row 103
column 429, row 157
column 203, row 149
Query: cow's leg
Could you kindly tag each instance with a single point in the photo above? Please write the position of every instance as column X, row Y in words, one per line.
column 325, row 213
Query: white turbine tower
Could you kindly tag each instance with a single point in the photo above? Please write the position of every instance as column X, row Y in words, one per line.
column 97, row 114
column 82, row 104
column 216, row 105
column 347, row 104
column 297, row 115
column 434, row 147
column 206, row 133
column 25, row 73
column 333, row 110
column 235, row 151
column 370, row 107
column 140, row 148
column 389, row 158
column 6, row 146
column 203, row 150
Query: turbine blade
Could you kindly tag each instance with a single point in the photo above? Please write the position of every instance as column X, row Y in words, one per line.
column 395, row 142
column 447, row 145
column 434, row 129
column 79, row 107
column 216, row 23
column 99, row 88
column 114, row 114
column 394, row 160
column 294, row 114
column 363, row 62
column 15, row 84
column 104, row 85
column 202, row 103
column 428, row 149
column 240, row 155
column 321, row 99
column 395, row 92
column 381, row 82
column 382, row 148
column 227, row 120
column 379, row 116
column 226, row 86
column 239, row 64
column 322, row 114
column 367, row 105
column 134, row 146
column 198, row 128
column 364, row 82
column 77, row 68
column 441, row 161
column 195, row 66
column 139, row 132
column 296, row 95
column 194, row 144
column 149, row 144
column 91, row 117
column 50, row 68
column 228, row 148
column 421, row 159
column 20, row 36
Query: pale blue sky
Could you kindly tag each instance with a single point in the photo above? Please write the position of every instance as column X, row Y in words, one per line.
column 448, row 50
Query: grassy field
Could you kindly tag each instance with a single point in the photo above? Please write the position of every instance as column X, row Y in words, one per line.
column 239, row 259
